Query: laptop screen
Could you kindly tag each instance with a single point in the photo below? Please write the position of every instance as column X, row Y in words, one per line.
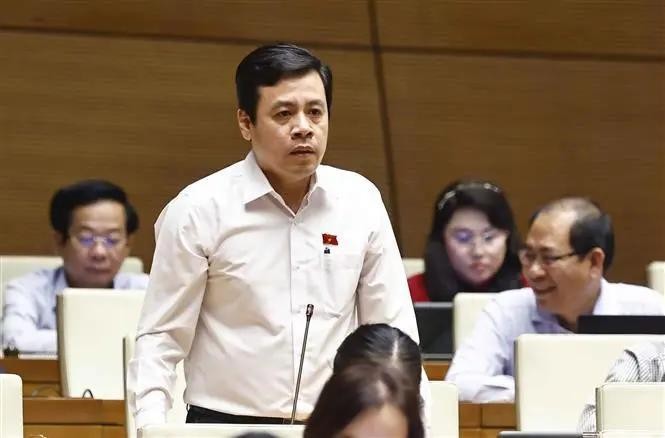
column 435, row 327
column 622, row 324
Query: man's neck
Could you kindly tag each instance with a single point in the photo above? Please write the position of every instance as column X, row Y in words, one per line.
column 292, row 192
column 586, row 308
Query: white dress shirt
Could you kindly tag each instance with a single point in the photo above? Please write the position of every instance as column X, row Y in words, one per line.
column 233, row 271
column 484, row 366
column 29, row 322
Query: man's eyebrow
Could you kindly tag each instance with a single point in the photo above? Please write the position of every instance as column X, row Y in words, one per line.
column 282, row 102
column 316, row 102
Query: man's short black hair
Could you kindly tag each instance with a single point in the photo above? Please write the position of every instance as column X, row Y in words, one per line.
column 591, row 229
column 83, row 193
column 267, row 65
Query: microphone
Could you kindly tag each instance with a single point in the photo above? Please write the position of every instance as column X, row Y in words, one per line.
column 308, row 315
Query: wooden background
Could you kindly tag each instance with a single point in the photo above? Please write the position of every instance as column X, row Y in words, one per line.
column 544, row 97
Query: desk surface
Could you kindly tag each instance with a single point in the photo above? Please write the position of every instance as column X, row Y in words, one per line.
column 60, row 417
column 46, row 371
column 58, row 410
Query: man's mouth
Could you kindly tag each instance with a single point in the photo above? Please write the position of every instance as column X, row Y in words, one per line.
column 543, row 290
column 302, row 150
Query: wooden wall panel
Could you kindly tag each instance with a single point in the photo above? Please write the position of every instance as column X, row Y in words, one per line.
column 635, row 27
column 329, row 22
column 152, row 116
column 541, row 129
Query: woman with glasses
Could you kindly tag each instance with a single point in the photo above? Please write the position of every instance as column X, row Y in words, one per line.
column 472, row 246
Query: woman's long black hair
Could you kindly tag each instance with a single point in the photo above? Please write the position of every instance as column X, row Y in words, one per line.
column 441, row 280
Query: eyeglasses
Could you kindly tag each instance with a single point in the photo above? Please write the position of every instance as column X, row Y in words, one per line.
column 528, row 257
column 469, row 238
column 107, row 241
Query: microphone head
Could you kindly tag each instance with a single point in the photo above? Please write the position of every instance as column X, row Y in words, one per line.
column 310, row 310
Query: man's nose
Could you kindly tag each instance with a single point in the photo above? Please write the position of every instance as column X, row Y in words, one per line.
column 98, row 249
column 534, row 270
column 301, row 126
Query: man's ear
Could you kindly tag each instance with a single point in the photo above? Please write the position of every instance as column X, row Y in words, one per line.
column 597, row 259
column 59, row 241
column 129, row 242
column 245, row 124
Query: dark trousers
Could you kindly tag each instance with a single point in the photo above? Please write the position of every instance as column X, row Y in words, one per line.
column 197, row 414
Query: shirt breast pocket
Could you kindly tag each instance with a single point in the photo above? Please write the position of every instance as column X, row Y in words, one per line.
column 341, row 273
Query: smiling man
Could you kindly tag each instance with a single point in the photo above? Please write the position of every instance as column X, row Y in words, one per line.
column 570, row 245
column 240, row 254
column 93, row 227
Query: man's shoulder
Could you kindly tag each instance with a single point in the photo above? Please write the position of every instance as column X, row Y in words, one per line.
column 214, row 183
column 630, row 296
column 648, row 349
column 209, row 190
column 342, row 180
column 34, row 280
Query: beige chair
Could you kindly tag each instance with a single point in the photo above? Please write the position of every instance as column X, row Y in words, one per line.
column 631, row 407
column 444, row 409
column 11, row 406
column 413, row 266
column 466, row 309
column 556, row 375
column 178, row 412
column 656, row 276
column 219, row 430
column 91, row 326
column 14, row 266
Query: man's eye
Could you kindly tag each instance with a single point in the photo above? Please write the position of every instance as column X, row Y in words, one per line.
column 316, row 112
column 283, row 114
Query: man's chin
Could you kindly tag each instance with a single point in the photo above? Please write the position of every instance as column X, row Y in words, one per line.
column 99, row 283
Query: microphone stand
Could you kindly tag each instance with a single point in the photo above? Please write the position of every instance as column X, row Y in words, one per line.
column 308, row 315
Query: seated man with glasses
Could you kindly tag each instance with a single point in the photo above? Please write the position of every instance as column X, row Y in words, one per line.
column 569, row 246
column 93, row 224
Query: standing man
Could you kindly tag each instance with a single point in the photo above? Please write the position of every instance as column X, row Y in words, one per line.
column 569, row 247
column 241, row 253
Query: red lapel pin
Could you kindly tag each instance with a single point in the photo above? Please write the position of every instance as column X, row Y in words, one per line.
column 329, row 239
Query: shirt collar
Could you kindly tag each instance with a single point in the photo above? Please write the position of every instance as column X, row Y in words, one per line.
column 257, row 185
column 604, row 306
column 60, row 280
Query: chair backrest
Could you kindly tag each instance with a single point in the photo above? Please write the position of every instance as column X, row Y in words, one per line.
column 555, row 375
column 413, row 266
column 630, row 407
column 466, row 309
column 219, row 430
column 14, row 266
column 656, row 276
column 445, row 406
column 178, row 412
column 91, row 326
column 11, row 406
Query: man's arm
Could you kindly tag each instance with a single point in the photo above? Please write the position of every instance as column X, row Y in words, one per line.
column 478, row 368
column 383, row 293
column 21, row 319
column 170, row 311
column 638, row 364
